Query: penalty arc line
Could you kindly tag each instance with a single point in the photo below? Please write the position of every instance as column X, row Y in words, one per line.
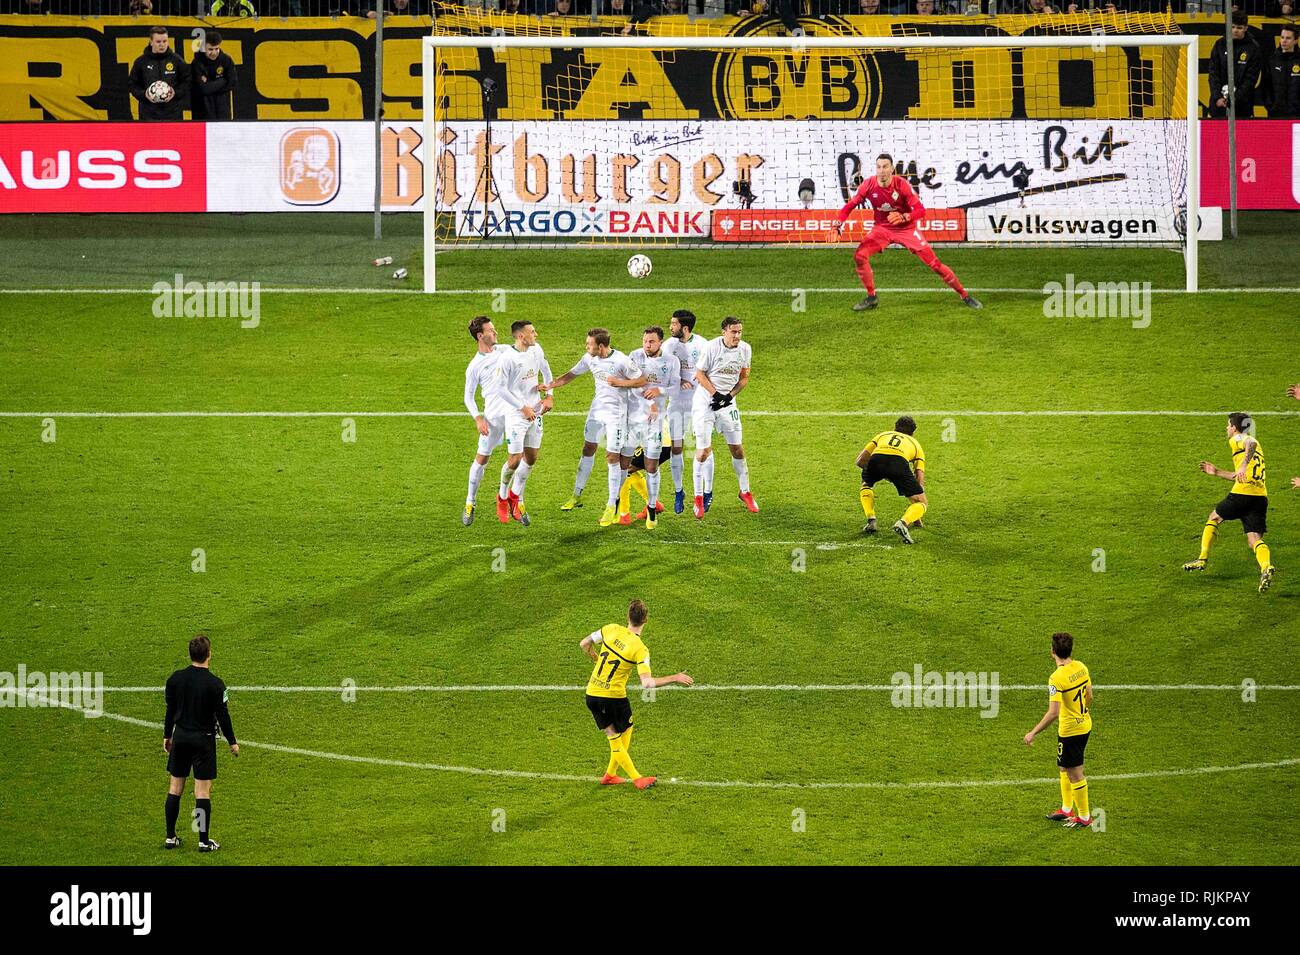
column 712, row 784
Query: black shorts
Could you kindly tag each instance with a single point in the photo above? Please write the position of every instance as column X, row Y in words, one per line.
column 611, row 711
column 638, row 458
column 1250, row 509
column 1069, row 750
column 895, row 470
column 193, row 751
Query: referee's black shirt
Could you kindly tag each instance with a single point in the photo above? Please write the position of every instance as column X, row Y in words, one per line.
column 196, row 702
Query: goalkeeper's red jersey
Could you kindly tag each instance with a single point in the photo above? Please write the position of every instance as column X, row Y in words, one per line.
column 895, row 197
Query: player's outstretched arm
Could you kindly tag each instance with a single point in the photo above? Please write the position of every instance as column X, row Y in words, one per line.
column 628, row 382
column 1053, row 710
column 1295, row 482
column 649, row 682
column 560, row 382
column 1294, row 392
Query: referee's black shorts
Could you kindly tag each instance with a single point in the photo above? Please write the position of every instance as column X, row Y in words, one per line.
column 611, row 711
column 1069, row 750
column 894, row 469
column 193, row 751
column 1250, row 509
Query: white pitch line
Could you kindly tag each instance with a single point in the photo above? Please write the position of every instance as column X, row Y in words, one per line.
column 760, row 290
column 714, row 784
column 670, row 542
column 719, row 688
column 866, row 413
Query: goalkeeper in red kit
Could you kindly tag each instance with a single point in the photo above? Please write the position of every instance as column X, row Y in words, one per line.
column 897, row 209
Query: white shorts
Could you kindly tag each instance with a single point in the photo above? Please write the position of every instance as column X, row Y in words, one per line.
column 648, row 434
column 726, row 421
column 677, row 420
column 522, row 433
column 592, row 430
column 487, row 443
column 613, row 428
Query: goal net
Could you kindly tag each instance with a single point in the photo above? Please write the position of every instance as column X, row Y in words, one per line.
column 1054, row 138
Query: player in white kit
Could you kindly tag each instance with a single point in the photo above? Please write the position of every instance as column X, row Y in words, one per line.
column 647, row 412
column 613, row 372
column 514, row 395
column 721, row 373
column 490, row 433
column 685, row 346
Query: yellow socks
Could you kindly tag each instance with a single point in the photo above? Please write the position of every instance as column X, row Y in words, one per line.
column 868, row 498
column 618, row 754
column 635, row 482
column 1207, row 539
column 913, row 513
column 1067, row 795
column 1262, row 556
column 612, row 768
column 1081, row 799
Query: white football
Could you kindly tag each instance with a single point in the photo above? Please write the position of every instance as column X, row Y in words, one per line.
column 159, row 92
column 638, row 266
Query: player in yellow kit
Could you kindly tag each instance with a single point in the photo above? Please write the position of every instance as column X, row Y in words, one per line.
column 618, row 650
column 891, row 456
column 1246, row 502
column 1069, row 703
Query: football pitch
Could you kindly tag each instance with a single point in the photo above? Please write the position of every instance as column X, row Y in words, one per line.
column 409, row 690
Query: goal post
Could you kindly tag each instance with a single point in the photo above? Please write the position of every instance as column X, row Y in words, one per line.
column 1088, row 139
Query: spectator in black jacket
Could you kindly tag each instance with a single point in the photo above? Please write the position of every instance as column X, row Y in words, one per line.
column 159, row 64
column 214, row 80
column 1249, row 60
column 1283, row 86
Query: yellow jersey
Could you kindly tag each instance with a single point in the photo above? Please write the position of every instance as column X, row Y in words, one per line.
column 903, row 445
column 1069, row 684
column 1255, row 471
column 620, row 651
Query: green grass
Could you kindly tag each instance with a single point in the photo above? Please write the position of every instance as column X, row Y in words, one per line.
column 330, row 561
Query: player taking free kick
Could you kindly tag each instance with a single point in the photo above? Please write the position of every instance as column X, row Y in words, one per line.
column 897, row 221
column 616, row 650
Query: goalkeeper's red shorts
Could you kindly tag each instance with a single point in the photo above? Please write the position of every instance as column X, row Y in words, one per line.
column 908, row 236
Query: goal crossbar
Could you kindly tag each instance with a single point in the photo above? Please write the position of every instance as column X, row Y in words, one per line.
column 431, row 44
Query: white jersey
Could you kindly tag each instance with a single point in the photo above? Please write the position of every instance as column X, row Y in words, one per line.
column 682, row 352
column 608, row 401
column 663, row 372
column 478, row 374
column 692, row 349
column 514, row 381
column 723, row 365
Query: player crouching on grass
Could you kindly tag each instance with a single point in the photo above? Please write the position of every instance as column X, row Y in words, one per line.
column 898, row 213
column 1247, row 501
column 1069, row 702
column 616, row 650
column 890, row 456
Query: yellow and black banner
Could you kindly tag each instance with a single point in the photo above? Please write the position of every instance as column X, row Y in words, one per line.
column 68, row 68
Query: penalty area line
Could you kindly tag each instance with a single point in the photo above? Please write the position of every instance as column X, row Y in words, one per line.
column 757, row 413
column 703, row 783
column 754, row 290
column 716, row 688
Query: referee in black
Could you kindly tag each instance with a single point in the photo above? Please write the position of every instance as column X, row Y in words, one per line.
column 196, row 705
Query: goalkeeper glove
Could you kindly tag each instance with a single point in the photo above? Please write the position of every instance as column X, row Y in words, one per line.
column 720, row 400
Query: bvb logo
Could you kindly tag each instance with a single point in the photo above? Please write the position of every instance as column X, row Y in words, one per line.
column 796, row 84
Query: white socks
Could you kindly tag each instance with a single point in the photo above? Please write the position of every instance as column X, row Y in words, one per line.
column 677, row 470
column 741, row 467
column 507, row 473
column 616, row 474
column 521, row 478
column 476, row 472
column 584, row 472
column 702, row 475
column 708, row 473
column 652, row 483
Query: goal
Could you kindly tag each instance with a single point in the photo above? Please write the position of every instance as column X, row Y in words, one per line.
column 1079, row 139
